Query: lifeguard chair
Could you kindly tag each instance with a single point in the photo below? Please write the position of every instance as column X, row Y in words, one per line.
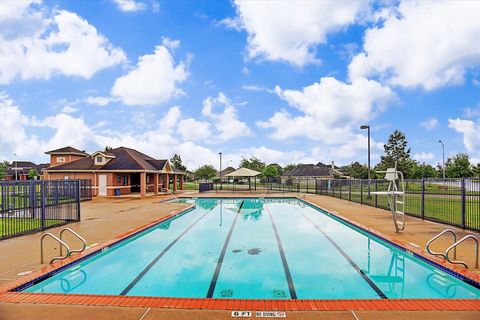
column 395, row 195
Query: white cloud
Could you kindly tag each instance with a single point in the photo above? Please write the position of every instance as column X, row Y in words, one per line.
column 226, row 121
column 424, row 156
column 330, row 110
column 194, row 130
column 471, row 134
column 154, row 79
column 290, row 30
column 170, row 44
column 99, row 101
column 38, row 45
column 423, row 43
column 430, row 124
column 69, row 109
column 129, row 5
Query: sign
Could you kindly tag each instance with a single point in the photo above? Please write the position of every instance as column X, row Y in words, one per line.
column 270, row 314
column 241, row 314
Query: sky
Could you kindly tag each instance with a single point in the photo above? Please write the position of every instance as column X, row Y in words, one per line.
column 287, row 81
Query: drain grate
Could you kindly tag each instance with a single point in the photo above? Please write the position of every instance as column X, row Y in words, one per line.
column 226, row 293
column 278, row 293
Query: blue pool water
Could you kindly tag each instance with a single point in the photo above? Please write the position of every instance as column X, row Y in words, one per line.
column 256, row 248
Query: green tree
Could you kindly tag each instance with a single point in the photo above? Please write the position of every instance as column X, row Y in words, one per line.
column 176, row 161
column 423, row 170
column 108, row 149
column 32, row 173
column 270, row 171
column 459, row 166
column 206, row 172
column 253, row 163
column 396, row 150
column 3, row 170
column 289, row 167
column 279, row 168
column 477, row 170
column 357, row 170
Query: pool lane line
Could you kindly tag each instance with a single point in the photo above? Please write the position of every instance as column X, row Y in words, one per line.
column 213, row 283
column 288, row 275
column 154, row 261
column 377, row 290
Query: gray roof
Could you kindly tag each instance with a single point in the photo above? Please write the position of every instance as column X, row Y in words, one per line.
column 310, row 170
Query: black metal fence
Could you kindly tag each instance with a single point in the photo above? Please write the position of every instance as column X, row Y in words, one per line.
column 451, row 201
column 29, row 206
column 85, row 189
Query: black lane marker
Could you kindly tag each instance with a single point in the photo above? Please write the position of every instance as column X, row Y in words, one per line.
column 291, row 287
column 140, row 276
column 213, row 283
column 346, row 256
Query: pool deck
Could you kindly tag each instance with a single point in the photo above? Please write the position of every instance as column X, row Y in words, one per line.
column 103, row 219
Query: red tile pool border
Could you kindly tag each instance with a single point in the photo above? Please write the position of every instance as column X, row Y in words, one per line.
column 6, row 296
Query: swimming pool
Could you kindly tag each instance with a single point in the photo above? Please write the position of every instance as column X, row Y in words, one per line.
column 256, row 249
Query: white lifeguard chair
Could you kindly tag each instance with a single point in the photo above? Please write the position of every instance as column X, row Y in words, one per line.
column 395, row 195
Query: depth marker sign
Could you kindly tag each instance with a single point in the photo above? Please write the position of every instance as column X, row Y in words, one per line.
column 241, row 314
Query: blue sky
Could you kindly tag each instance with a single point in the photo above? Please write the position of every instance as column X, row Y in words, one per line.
column 198, row 78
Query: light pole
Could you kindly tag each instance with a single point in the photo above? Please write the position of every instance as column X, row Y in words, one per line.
column 443, row 158
column 15, row 160
column 220, row 172
column 368, row 128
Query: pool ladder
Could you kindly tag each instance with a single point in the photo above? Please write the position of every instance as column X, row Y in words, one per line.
column 63, row 244
column 453, row 247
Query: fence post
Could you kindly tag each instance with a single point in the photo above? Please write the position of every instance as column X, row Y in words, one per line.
column 423, row 198
column 361, row 192
column 43, row 201
column 78, row 200
column 463, row 203
column 349, row 190
column 376, row 196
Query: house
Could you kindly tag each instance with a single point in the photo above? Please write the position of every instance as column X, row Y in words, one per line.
column 312, row 171
column 224, row 172
column 19, row 170
column 118, row 171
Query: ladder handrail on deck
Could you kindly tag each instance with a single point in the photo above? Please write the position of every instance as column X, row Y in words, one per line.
column 84, row 242
column 453, row 246
column 61, row 244
column 444, row 255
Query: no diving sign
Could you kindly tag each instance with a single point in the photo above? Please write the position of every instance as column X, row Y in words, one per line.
column 259, row 314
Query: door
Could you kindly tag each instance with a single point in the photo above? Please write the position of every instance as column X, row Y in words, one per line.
column 102, row 184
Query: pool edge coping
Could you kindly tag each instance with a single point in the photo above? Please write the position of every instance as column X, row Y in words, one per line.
column 9, row 296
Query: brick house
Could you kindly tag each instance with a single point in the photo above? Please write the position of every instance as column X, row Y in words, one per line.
column 119, row 171
column 22, row 168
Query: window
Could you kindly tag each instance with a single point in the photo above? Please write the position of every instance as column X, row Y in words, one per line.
column 99, row 159
column 60, row 159
column 119, row 178
column 125, row 180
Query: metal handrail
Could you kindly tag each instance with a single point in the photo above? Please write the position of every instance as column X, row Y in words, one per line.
column 84, row 242
column 61, row 244
column 453, row 233
column 456, row 244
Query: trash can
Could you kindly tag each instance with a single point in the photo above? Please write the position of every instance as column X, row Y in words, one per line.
column 117, row 191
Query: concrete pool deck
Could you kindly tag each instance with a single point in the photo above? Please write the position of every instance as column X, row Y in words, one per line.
column 105, row 218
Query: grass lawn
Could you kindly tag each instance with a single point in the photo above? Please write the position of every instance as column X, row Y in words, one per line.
column 12, row 226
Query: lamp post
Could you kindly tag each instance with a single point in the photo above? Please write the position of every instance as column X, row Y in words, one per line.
column 368, row 128
column 15, row 160
column 220, row 172
column 443, row 158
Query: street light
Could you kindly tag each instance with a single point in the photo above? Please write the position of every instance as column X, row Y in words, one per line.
column 443, row 158
column 220, row 172
column 368, row 128
column 15, row 160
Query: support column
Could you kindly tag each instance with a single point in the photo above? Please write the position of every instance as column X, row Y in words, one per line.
column 166, row 181
column 155, row 183
column 143, row 184
column 174, row 182
column 181, row 182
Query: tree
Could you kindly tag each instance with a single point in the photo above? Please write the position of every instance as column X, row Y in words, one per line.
column 253, row 163
column 477, row 170
column 206, row 172
column 108, row 149
column 279, row 168
column 3, row 170
column 396, row 150
column 459, row 166
column 289, row 167
column 423, row 170
column 32, row 173
column 270, row 171
column 176, row 161
column 357, row 170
